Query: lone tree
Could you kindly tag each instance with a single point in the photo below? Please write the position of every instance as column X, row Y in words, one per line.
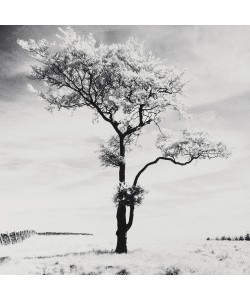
column 127, row 88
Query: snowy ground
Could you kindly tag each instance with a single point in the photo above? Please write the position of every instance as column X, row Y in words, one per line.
column 93, row 255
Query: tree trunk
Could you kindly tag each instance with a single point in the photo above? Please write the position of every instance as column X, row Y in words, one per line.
column 121, row 232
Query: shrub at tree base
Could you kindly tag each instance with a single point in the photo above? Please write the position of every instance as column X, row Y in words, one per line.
column 129, row 195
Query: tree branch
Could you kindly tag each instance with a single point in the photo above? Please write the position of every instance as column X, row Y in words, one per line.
column 131, row 217
column 156, row 161
column 141, row 124
column 88, row 97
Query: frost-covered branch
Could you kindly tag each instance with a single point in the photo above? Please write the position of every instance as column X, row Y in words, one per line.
column 182, row 149
column 186, row 145
column 110, row 151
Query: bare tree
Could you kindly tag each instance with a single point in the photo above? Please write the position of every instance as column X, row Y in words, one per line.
column 127, row 88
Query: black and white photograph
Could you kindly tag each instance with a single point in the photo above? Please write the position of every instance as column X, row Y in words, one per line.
column 124, row 150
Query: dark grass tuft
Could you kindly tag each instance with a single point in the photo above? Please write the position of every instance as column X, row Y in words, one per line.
column 172, row 271
column 122, row 272
column 2, row 259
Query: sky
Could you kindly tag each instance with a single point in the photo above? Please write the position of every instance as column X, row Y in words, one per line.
column 50, row 175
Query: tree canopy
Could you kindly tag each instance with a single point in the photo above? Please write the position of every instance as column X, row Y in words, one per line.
column 123, row 85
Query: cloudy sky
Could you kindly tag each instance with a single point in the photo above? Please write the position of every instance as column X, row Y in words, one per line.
column 50, row 176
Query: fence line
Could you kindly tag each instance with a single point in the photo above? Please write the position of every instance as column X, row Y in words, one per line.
column 15, row 237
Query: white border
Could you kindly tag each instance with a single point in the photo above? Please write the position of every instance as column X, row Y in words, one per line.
column 129, row 12
column 124, row 287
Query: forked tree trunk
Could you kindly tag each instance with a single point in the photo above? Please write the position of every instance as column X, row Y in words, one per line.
column 123, row 227
column 121, row 232
column 121, row 246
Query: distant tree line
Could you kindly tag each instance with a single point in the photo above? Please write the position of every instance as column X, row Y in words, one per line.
column 63, row 233
column 15, row 237
column 245, row 237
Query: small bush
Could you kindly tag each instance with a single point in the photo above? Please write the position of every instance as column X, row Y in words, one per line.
column 122, row 272
column 172, row 271
column 129, row 195
column 247, row 237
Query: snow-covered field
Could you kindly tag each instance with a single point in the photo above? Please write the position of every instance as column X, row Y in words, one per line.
column 93, row 255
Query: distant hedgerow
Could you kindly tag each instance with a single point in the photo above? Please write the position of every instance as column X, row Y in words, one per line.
column 235, row 238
